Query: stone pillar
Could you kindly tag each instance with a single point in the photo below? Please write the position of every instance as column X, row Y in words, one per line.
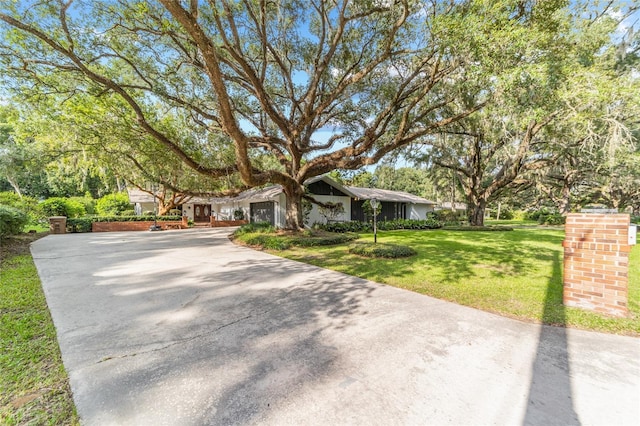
column 596, row 262
column 58, row 224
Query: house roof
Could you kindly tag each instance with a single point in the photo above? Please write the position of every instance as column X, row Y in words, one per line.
column 138, row 196
column 387, row 195
column 254, row 194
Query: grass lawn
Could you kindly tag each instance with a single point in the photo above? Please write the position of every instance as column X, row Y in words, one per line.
column 516, row 273
column 34, row 388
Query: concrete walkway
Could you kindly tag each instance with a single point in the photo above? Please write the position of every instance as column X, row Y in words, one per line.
column 185, row 328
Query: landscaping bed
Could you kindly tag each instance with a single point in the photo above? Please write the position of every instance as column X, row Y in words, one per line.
column 265, row 236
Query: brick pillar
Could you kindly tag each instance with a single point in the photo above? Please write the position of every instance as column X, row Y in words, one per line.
column 596, row 262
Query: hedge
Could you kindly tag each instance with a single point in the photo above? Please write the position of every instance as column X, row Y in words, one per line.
column 389, row 225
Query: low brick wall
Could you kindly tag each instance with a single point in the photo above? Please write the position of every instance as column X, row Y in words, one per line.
column 136, row 226
column 596, row 262
column 225, row 223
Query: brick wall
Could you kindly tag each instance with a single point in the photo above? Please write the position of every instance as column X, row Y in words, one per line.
column 596, row 262
column 134, row 226
column 224, row 223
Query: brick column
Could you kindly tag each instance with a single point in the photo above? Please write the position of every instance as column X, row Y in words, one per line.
column 596, row 262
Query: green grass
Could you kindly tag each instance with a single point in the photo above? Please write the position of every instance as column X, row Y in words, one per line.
column 34, row 387
column 512, row 222
column 516, row 274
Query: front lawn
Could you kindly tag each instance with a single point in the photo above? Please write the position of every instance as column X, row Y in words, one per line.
column 34, row 388
column 516, row 273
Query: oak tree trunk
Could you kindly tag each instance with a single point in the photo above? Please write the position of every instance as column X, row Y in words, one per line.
column 293, row 214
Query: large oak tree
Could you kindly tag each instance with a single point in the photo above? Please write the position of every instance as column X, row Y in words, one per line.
column 316, row 85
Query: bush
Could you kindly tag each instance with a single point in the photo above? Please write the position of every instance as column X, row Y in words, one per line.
column 447, row 217
column 79, row 224
column 506, row 214
column 175, row 212
column 268, row 241
column 113, row 204
column 635, row 219
column 238, row 214
column 250, row 228
column 553, row 219
column 389, row 225
column 58, row 206
column 127, row 213
column 88, row 203
column 12, row 221
column 323, row 240
column 26, row 204
column 389, row 251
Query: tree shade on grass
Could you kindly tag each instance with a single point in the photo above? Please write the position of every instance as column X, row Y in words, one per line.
column 516, row 274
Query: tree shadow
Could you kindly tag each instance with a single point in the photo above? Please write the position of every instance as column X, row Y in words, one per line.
column 550, row 399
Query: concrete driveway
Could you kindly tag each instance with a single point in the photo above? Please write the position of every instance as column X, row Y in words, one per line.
column 185, row 328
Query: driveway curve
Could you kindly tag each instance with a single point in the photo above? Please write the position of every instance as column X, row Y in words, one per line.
column 185, row 328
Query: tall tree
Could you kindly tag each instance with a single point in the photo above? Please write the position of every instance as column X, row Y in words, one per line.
column 267, row 77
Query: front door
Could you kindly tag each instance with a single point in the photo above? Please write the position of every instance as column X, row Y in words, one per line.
column 201, row 212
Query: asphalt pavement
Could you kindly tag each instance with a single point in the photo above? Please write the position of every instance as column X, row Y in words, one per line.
column 185, row 328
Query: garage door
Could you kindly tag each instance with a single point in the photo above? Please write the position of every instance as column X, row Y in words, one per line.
column 262, row 212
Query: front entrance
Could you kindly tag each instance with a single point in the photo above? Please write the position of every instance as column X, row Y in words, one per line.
column 201, row 212
column 262, row 212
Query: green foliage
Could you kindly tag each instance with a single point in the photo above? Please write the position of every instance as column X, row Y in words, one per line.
column 389, row 225
column 249, row 228
column 12, row 221
column 545, row 216
column 127, row 213
column 88, row 202
column 635, row 219
column 113, row 204
column 389, row 251
column 27, row 204
column 58, row 206
column 79, row 224
column 238, row 214
column 447, row 217
column 266, row 236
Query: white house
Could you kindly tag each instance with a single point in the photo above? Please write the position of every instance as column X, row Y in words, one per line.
column 268, row 204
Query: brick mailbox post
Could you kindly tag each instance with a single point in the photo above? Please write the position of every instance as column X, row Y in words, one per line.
column 596, row 262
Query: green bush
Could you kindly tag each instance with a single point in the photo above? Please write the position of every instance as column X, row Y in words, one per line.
column 553, row 219
column 26, row 204
column 113, row 204
column 58, row 206
column 389, row 251
column 505, row 214
column 447, row 216
column 250, row 228
column 268, row 241
column 127, row 213
column 12, row 221
column 88, row 203
column 389, row 225
column 323, row 240
column 79, row 224
column 635, row 219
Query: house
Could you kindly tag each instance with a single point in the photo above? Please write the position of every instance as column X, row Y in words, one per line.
column 268, row 204
column 142, row 201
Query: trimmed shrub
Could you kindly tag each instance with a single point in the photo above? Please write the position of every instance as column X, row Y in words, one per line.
column 553, row 219
column 79, row 224
column 388, row 251
column 113, row 204
column 58, row 206
column 127, row 213
column 268, row 241
column 635, row 219
column 12, row 221
column 323, row 240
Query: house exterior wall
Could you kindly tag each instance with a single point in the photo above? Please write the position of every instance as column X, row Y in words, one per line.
column 140, row 208
column 225, row 211
column 419, row 211
column 316, row 217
